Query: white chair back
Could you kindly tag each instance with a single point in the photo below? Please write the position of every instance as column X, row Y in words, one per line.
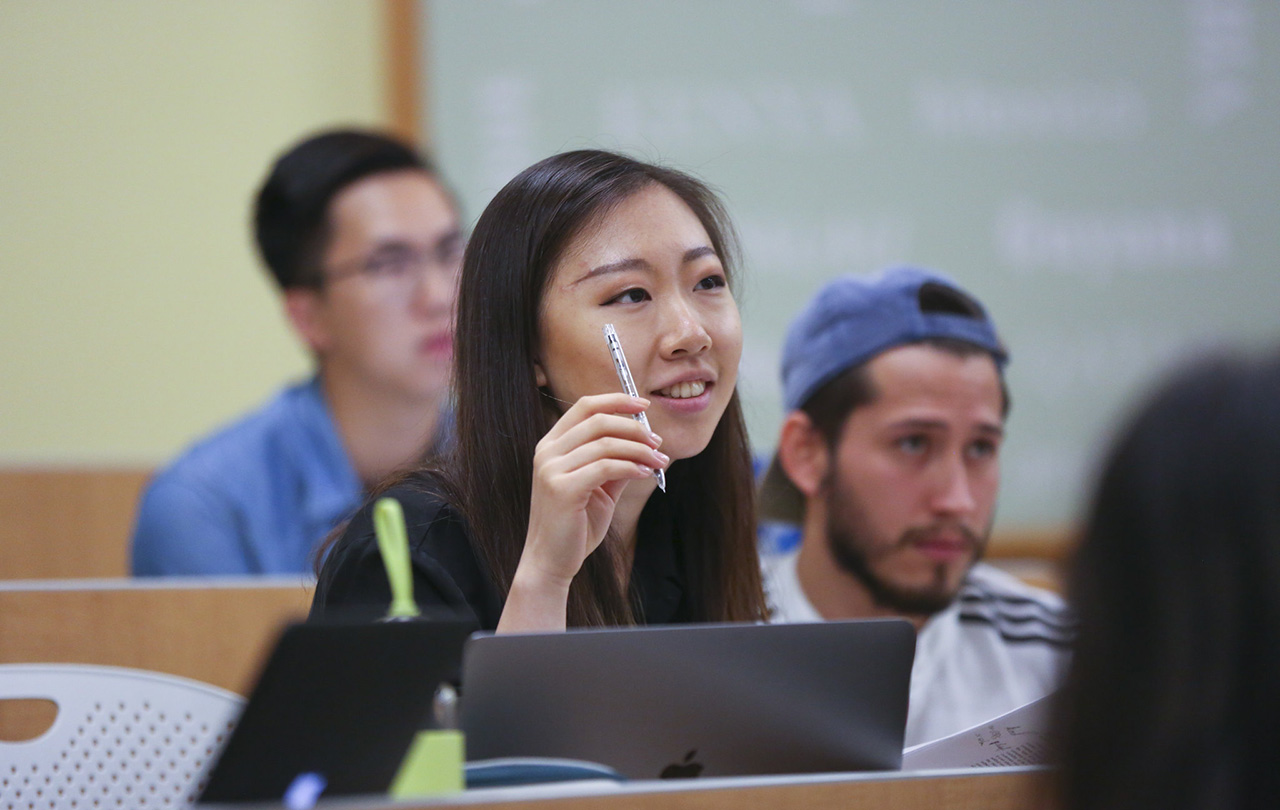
column 122, row 738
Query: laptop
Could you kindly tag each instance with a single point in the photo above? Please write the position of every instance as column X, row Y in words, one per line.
column 694, row 700
column 337, row 704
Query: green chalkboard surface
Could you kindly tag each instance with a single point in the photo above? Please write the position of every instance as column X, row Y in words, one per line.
column 1102, row 175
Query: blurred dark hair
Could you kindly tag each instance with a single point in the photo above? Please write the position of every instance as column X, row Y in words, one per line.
column 502, row 414
column 1172, row 698
column 290, row 218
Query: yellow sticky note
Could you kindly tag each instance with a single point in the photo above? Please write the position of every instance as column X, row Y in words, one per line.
column 432, row 767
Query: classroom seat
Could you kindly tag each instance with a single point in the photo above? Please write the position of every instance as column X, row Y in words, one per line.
column 120, row 738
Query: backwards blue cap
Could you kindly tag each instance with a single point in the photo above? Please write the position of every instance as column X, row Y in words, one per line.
column 853, row 319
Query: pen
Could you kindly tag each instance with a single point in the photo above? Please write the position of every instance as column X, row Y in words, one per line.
column 629, row 386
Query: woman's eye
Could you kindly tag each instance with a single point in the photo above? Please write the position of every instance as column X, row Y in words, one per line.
column 632, row 296
column 711, row 282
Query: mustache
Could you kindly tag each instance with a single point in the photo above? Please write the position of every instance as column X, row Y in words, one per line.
column 925, row 533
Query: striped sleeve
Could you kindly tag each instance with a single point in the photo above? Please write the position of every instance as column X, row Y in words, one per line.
column 1020, row 615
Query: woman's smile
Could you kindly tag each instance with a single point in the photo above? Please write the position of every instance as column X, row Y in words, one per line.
column 647, row 267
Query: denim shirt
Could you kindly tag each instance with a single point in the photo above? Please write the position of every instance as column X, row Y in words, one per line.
column 254, row 498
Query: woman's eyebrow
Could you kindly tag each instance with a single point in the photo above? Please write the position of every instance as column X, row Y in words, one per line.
column 620, row 266
column 693, row 254
column 636, row 263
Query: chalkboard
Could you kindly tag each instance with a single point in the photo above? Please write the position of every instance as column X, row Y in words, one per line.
column 1101, row 174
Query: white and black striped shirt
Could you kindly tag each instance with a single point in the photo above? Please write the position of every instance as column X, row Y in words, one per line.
column 999, row 645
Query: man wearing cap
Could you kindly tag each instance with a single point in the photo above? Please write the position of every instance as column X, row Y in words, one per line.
column 894, row 387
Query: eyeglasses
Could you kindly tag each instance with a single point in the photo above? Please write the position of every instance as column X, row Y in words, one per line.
column 399, row 267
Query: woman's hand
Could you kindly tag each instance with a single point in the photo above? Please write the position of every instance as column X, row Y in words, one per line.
column 580, row 469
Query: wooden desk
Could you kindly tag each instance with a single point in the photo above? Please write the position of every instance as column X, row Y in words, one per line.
column 213, row 630
column 984, row 789
column 67, row 522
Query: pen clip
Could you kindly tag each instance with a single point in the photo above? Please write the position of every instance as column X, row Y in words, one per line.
column 620, row 361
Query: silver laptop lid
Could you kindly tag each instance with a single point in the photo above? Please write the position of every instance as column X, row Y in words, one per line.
column 688, row 700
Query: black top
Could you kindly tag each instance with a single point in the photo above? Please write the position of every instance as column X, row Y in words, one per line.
column 449, row 576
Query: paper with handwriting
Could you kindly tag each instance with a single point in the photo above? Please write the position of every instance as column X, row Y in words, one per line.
column 1020, row 737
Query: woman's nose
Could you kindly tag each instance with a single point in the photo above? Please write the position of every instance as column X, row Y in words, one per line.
column 683, row 331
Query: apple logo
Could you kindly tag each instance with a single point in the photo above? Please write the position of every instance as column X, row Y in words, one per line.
column 685, row 769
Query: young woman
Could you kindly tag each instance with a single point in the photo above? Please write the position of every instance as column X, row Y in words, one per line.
column 547, row 513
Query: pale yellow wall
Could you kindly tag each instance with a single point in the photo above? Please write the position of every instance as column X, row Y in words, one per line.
column 134, row 315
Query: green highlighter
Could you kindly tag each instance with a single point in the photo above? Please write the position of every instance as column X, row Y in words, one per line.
column 433, row 765
column 393, row 542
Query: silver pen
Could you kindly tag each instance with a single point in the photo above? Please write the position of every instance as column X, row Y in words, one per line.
column 629, row 386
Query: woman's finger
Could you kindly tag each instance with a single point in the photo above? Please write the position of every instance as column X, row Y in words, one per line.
column 576, row 486
column 595, row 428
column 588, row 406
column 606, row 447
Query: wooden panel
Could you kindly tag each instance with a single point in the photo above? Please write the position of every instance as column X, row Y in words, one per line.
column 1041, row 544
column 1038, row 557
column 216, row 633
column 72, row 523
column 406, row 96
column 25, row 719
column 981, row 790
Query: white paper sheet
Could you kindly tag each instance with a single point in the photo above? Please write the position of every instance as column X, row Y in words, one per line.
column 1020, row 737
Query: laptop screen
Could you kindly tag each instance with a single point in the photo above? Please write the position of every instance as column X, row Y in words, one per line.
column 340, row 702
column 680, row 701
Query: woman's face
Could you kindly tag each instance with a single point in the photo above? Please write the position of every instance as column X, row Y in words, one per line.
column 648, row 268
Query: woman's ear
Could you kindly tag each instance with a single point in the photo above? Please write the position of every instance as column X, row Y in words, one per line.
column 539, row 375
column 803, row 453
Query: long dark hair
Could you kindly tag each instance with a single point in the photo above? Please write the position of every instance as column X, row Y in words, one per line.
column 1177, row 585
column 501, row 414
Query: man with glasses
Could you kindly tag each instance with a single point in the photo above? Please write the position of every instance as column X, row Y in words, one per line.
column 365, row 244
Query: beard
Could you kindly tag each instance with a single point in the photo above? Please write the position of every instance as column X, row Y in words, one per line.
column 854, row 549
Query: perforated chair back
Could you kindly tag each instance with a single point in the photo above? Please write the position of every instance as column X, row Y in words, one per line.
column 122, row 738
